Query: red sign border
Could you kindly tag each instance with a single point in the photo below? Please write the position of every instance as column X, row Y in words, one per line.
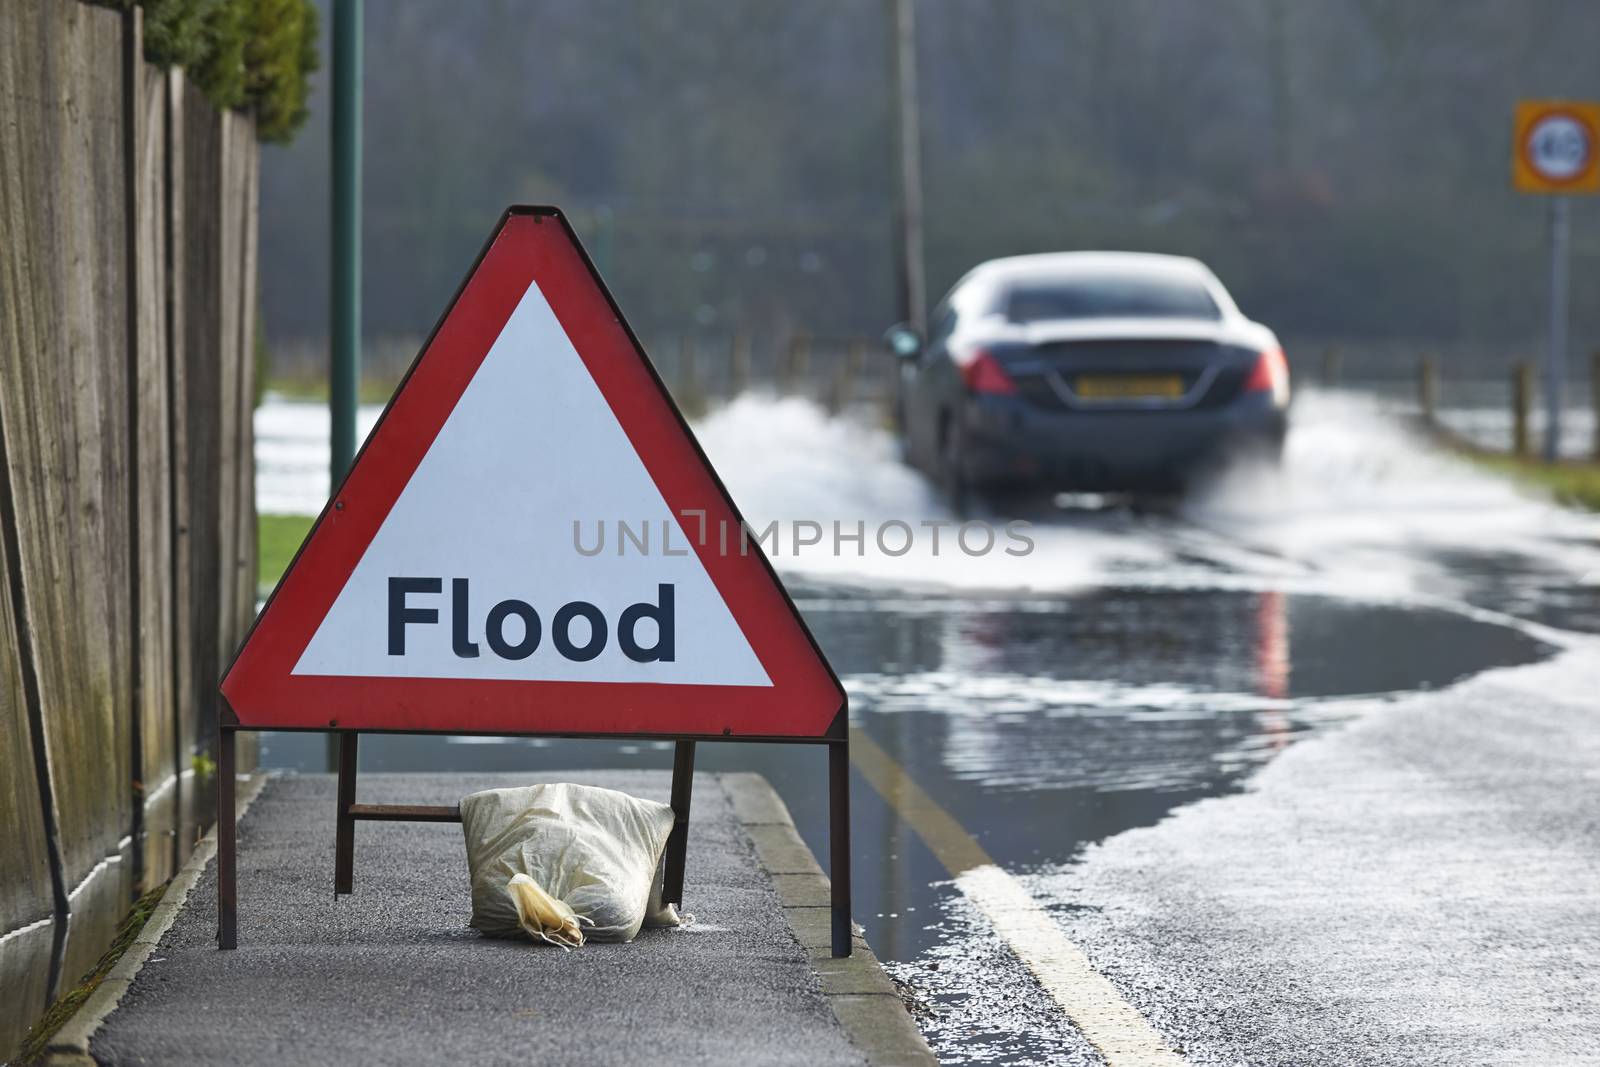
column 505, row 708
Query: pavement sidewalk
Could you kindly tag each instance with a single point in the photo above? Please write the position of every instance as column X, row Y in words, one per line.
column 392, row 974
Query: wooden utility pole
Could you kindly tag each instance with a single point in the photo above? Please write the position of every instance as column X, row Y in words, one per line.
column 911, row 280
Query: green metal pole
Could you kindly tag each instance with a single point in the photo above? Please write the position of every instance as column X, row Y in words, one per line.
column 344, row 290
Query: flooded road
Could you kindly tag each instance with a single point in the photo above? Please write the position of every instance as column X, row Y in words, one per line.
column 1135, row 661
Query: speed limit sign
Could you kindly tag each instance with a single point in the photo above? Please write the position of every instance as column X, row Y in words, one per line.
column 1555, row 150
column 1556, row 147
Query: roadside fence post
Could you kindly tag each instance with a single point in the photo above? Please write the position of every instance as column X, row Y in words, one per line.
column 795, row 361
column 843, row 390
column 838, row 390
column 856, row 356
column 1428, row 388
column 1521, row 400
column 1330, row 368
column 1594, row 397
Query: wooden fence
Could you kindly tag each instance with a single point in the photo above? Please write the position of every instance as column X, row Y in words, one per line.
column 837, row 372
column 127, row 518
column 1520, row 392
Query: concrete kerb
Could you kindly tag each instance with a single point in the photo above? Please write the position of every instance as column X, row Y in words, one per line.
column 70, row 1045
column 859, row 991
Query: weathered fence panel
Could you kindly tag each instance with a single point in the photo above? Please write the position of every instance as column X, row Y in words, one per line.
column 224, row 401
column 241, row 162
column 247, row 187
column 127, row 518
column 28, row 891
column 27, row 902
column 187, row 676
column 64, row 406
column 201, row 358
column 152, row 483
column 219, row 196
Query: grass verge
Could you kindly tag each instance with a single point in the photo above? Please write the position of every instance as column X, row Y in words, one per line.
column 371, row 391
column 67, row 1005
column 1575, row 483
column 280, row 537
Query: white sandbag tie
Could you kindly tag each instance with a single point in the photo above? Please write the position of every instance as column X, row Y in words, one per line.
column 545, row 917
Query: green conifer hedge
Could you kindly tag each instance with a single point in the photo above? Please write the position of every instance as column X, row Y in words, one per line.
column 253, row 55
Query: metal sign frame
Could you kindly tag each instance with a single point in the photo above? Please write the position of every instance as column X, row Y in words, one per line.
column 349, row 811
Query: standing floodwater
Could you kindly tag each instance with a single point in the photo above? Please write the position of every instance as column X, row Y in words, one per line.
column 1136, row 659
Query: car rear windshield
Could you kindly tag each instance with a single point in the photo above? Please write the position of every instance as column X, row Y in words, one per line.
column 1111, row 294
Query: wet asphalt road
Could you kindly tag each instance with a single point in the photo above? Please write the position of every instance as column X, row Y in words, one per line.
column 1111, row 735
column 1417, row 888
column 1044, row 725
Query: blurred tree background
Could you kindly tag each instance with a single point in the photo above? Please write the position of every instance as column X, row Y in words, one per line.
column 1344, row 166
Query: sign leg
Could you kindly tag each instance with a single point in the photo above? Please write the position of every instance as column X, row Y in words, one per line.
column 839, row 844
column 344, row 850
column 678, row 842
column 227, row 842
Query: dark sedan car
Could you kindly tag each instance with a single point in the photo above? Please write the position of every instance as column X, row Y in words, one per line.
column 1087, row 372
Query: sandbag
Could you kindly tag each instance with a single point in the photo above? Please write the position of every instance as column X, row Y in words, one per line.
column 595, row 853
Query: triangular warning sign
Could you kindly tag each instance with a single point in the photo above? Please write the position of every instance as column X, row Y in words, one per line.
column 531, row 541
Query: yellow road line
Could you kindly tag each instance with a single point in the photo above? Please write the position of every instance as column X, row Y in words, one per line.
column 1114, row 1026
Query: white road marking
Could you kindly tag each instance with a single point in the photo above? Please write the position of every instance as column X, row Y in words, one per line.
column 1113, row 1025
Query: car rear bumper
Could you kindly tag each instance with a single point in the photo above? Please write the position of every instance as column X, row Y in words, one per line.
column 1009, row 441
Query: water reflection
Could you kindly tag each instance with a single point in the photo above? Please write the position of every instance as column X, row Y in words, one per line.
column 1272, row 666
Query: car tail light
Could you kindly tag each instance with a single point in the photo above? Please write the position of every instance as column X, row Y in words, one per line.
column 983, row 374
column 1270, row 375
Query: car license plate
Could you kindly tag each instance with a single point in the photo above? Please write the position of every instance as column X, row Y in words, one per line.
column 1128, row 386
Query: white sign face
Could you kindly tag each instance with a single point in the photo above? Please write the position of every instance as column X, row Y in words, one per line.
column 1559, row 148
column 476, row 573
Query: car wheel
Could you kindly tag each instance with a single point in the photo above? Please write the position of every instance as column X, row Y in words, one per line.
column 953, row 479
